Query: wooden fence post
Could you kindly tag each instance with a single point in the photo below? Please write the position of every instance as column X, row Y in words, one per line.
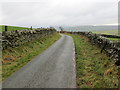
column 31, row 28
column 5, row 28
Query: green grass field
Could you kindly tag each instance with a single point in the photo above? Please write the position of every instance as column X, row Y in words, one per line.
column 111, row 32
column 21, row 55
column 11, row 28
column 94, row 69
column 114, row 39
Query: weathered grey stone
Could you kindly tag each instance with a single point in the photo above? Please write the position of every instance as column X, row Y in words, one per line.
column 19, row 37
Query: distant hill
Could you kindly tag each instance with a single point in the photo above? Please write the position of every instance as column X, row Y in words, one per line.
column 89, row 28
column 113, row 29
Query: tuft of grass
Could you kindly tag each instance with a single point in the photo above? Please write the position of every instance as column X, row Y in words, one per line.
column 15, row 58
column 94, row 69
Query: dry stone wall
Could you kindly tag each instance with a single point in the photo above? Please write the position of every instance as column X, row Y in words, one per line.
column 19, row 37
column 111, row 48
column 110, row 36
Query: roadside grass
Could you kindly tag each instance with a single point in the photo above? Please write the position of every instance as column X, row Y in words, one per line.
column 15, row 58
column 11, row 28
column 94, row 69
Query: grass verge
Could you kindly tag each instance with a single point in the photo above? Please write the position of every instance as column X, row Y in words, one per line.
column 15, row 58
column 94, row 69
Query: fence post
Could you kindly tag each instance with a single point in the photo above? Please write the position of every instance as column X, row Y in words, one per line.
column 5, row 28
column 31, row 28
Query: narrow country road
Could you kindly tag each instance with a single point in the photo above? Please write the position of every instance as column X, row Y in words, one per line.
column 54, row 68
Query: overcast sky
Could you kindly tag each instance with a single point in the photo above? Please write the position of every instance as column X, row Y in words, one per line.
column 40, row 13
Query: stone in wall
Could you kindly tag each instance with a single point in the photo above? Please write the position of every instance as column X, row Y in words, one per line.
column 19, row 37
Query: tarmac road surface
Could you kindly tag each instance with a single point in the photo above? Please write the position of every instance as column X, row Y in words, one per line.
column 54, row 68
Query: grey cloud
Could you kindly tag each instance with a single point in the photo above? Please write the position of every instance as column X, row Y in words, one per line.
column 58, row 12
